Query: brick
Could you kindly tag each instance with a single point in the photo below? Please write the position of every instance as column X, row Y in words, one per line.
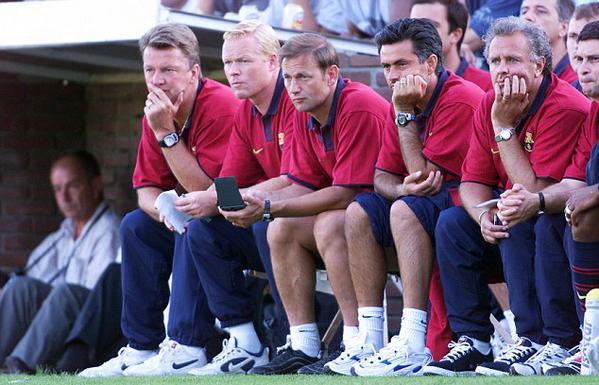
column 343, row 60
column 359, row 76
column 20, row 178
column 12, row 192
column 14, row 242
column 364, row 61
column 42, row 225
column 29, row 208
column 15, row 225
column 12, row 258
column 13, row 160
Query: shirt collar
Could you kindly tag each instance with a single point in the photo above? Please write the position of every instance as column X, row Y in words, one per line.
column 276, row 97
column 562, row 65
column 333, row 111
column 433, row 100
column 462, row 67
column 188, row 121
column 537, row 102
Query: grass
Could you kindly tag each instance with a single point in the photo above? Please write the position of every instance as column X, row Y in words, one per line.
column 294, row 380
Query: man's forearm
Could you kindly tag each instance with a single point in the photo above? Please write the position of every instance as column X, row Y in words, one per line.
column 186, row 169
column 557, row 194
column 313, row 203
column 517, row 166
column 472, row 194
column 146, row 196
column 272, row 184
column 386, row 184
column 411, row 150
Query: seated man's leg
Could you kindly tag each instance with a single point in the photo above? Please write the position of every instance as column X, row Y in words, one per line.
column 96, row 334
column 584, row 264
column 39, row 347
column 464, row 258
column 367, row 231
column 219, row 253
column 20, row 301
column 292, row 248
column 147, row 248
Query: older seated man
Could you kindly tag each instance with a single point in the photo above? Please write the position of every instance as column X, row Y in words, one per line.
column 51, row 290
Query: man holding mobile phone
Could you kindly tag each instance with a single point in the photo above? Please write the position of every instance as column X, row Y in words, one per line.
column 524, row 132
column 332, row 159
column 257, row 158
column 185, row 129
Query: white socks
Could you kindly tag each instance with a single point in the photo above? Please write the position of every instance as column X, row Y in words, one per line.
column 349, row 334
column 413, row 328
column 482, row 346
column 305, row 338
column 246, row 337
column 509, row 317
column 370, row 321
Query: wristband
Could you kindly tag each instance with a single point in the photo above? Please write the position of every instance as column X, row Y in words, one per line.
column 541, row 202
column 480, row 216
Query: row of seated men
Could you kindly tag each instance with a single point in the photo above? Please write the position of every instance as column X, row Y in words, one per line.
column 331, row 172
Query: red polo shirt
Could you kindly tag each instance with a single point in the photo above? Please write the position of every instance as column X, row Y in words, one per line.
column 475, row 75
column 446, row 125
column 587, row 139
column 564, row 70
column 343, row 151
column 205, row 135
column 548, row 133
column 259, row 145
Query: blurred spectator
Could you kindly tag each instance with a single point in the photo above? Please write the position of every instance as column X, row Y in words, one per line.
column 583, row 14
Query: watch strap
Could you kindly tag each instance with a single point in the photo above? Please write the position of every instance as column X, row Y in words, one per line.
column 267, row 215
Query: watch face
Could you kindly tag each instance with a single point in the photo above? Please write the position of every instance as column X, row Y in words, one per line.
column 506, row 134
column 401, row 120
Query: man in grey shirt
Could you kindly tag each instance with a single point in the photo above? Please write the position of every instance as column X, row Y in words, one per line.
column 40, row 303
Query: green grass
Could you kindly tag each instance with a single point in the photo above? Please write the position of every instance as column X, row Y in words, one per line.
column 294, row 380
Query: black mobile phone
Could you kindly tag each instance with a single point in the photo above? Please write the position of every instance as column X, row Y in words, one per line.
column 228, row 197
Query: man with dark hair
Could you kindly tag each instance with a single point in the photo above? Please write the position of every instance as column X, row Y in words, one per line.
column 553, row 17
column 185, row 129
column 416, row 176
column 555, row 242
column 49, row 292
column 450, row 17
column 583, row 14
column 524, row 132
column 333, row 152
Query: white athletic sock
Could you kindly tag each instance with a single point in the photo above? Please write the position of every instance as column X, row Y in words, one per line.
column 370, row 321
column 246, row 337
column 413, row 328
column 305, row 338
column 509, row 316
column 482, row 346
column 349, row 334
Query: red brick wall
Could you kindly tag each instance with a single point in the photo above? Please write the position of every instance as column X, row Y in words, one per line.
column 37, row 122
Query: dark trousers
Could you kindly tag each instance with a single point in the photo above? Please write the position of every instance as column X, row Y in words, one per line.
column 465, row 260
column 150, row 254
column 35, row 319
column 553, row 281
column 96, row 334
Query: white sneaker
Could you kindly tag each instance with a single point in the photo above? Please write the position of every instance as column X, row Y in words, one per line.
column 396, row 359
column 547, row 355
column 127, row 357
column 356, row 350
column 232, row 360
column 173, row 359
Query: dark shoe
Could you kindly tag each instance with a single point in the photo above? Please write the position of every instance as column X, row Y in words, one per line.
column 14, row 365
column 461, row 360
column 521, row 351
column 287, row 361
column 318, row 367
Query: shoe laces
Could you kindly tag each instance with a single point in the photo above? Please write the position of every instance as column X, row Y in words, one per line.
column 457, row 350
column 229, row 347
column 396, row 348
column 287, row 346
column 515, row 352
column 574, row 359
column 167, row 350
column 548, row 352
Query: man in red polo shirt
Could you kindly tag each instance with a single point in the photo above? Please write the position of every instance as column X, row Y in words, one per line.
column 258, row 156
column 450, row 17
column 332, row 159
column 424, row 144
column 185, row 129
column 518, row 204
column 524, row 132
column 553, row 17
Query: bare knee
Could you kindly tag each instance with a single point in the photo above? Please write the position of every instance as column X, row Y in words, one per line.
column 329, row 228
column 402, row 216
column 356, row 220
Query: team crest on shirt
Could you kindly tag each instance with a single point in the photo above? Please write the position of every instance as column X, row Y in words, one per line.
column 528, row 142
column 281, row 139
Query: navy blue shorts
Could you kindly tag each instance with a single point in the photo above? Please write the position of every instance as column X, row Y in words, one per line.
column 427, row 209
